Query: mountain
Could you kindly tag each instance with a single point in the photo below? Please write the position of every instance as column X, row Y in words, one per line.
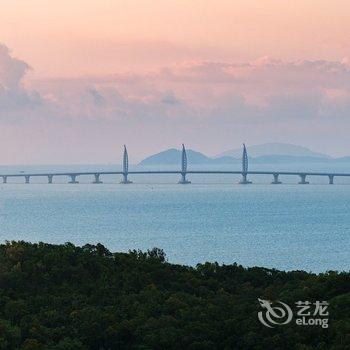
column 269, row 153
column 173, row 156
column 282, row 159
column 343, row 159
column 275, row 149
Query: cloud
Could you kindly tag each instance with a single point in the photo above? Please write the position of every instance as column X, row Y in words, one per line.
column 12, row 95
column 12, row 69
column 96, row 96
column 263, row 100
column 266, row 89
column 169, row 98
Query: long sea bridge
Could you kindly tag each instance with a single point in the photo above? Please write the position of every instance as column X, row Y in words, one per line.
column 183, row 172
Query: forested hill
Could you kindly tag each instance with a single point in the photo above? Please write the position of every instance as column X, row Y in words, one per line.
column 66, row 297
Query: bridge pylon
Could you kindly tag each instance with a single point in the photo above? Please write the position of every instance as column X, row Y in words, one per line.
column 183, row 179
column 244, row 180
column 125, row 167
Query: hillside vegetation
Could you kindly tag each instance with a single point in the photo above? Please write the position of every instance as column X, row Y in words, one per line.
column 56, row 297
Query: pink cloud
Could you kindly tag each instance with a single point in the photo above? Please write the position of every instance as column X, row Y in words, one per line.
column 263, row 100
column 12, row 69
column 12, row 95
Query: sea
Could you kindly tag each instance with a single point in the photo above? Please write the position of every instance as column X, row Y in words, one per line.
column 287, row 226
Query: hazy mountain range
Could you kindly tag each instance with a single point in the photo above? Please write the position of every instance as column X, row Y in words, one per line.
column 265, row 153
column 269, row 149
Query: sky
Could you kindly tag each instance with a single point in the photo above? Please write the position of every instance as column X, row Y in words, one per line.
column 78, row 79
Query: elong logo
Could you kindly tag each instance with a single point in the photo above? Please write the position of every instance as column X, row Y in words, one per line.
column 274, row 315
column 282, row 314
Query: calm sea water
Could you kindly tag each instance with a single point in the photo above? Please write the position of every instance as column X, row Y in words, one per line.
column 285, row 226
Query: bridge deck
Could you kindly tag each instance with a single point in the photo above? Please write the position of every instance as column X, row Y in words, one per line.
column 297, row 173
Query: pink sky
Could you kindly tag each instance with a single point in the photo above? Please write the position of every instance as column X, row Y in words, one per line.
column 208, row 73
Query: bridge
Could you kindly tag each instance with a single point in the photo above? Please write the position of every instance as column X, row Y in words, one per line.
column 183, row 172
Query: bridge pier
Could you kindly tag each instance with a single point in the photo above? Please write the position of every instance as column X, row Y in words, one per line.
column 183, row 180
column 97, row 179
column 27, row 177
column 244, row 180
column 4, row 179
column 331, row 179
column 303, row 179
column 275, row 179
column 73, row 179
column 125, row 180
column 49, row 179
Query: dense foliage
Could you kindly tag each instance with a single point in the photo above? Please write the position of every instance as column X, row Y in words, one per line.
column 59, row 297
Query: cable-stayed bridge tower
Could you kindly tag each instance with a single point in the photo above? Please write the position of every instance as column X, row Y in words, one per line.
column 244, row 180
column 183, row 179
column 125, row 167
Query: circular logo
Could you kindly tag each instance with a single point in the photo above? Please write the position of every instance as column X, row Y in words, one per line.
column 274, row 315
